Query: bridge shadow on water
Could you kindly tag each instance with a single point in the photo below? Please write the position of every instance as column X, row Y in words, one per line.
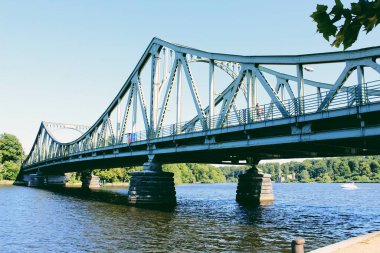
column 251, row 214
column 103, row 195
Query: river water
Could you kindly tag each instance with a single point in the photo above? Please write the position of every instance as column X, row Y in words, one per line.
column 207, row 218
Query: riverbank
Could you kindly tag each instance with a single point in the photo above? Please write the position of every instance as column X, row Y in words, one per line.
column 368, row 243
column 6, row 182
column 73, row 184
column 79, row 184
column 119, row 184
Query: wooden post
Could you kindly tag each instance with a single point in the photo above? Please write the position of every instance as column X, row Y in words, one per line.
column 297, row 245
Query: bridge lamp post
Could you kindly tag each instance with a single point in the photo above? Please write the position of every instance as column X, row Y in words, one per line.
column 308, row 68
column 319, row 97
column 211, row 94
column 301, row 86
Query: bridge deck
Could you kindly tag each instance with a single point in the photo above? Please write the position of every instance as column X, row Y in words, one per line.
column 337, row 120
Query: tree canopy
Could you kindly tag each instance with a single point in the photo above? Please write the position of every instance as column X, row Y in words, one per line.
column 336, row 169
column 10, row 156
column 344, row 24
column 10, row 148
column 184, row 173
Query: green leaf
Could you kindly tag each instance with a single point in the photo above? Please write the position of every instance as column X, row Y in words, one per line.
column 362, row 13
column 351, row 34
column 337, row 11
column 324, row 23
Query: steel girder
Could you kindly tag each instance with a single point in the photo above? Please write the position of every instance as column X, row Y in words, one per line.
column 168, row 62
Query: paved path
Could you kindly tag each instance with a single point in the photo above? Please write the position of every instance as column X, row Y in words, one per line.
column 369, row 243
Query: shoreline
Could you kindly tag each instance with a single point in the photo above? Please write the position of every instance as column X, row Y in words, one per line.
column 117, row 184
column 6, row 182
column 121, row 184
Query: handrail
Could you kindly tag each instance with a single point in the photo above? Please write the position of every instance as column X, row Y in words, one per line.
column 344, row 99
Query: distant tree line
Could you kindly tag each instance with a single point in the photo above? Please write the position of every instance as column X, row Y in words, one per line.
column 339, row 169
column 10, row 156
column 184, row 173
column 326, row 170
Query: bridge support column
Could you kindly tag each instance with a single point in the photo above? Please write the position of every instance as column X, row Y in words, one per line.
column 35, row 180
column 56, row 180
column 152, row 186
column 254, row 188
column 89, row 181
column 42, row 180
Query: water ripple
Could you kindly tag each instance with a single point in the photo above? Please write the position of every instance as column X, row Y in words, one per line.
column 207, row 219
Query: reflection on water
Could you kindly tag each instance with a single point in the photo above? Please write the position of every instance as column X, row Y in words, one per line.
column 207, row 218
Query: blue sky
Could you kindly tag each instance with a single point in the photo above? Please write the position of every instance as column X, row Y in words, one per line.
column 64, row 61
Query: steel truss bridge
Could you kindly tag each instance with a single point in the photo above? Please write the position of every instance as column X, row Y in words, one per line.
column 301, row 117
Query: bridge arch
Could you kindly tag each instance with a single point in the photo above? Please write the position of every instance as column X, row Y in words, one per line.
column 131, row 106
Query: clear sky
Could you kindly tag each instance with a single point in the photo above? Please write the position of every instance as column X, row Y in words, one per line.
column 64, row 61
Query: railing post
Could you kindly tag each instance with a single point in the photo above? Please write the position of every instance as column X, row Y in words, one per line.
column 271, row 108
column 263, row 113
column 300, row 89
column 297, row 245
column 361, row 89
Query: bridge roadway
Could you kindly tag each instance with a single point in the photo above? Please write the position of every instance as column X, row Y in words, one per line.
column 337, row 120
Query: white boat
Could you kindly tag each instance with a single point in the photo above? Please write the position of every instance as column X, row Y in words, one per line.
column 349, row 186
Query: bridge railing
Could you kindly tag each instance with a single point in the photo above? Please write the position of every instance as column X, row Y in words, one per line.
column 310, row 103
column 348, row 97
column 373, row 92
column 345, row 98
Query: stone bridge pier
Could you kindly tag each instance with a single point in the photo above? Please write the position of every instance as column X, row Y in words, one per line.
column 89, row 181
column 152, row 186
column 254, row 187
column 45, row 180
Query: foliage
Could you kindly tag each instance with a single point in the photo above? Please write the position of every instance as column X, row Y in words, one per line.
column 116, row 174
column 111, row 175
column 10, row 156
column 231, row 173
column 74, row 177
column 174, row 169
column 9, row 170
column 206, row 173
column 10, row 148
column 129, row 170
column 342, row 169
column 182, row 173
column 344, row 24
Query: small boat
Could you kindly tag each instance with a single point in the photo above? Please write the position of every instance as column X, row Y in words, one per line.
column 349, row 186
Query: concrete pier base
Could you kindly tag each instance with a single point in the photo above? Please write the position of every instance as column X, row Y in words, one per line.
column 35, row 180
column 56, row 180
column 43, row 180
column 89, row 181
column 152, row 186
column 254, row 188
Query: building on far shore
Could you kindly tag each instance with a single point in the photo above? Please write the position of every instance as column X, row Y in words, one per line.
column 284, row 178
